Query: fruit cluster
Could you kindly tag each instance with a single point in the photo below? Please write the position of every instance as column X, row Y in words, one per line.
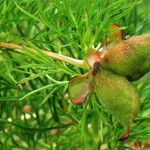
column 110, row 76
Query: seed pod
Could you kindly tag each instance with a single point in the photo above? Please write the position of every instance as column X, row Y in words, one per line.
column 130, row 58
column 118, row 95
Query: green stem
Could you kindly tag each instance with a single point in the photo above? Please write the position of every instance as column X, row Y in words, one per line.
column 76, row 62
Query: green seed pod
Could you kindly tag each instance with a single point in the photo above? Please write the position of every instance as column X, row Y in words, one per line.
column 130, row 58
column 118, row 95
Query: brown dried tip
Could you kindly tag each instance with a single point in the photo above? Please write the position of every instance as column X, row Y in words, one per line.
column 79, row 100
column 124, row 136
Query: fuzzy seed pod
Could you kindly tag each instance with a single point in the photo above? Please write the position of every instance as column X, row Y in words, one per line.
column 118, row 95
column 130, row 58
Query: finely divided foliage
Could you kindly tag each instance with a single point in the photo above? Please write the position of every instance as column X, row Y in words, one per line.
column 35, row 110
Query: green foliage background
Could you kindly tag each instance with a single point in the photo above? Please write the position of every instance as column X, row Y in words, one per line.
column 34, row 80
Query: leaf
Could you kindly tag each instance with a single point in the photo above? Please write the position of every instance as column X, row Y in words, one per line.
column 80, row 87
column 5, row 71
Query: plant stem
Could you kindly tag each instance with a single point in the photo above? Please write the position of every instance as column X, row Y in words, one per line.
column 76, row 62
